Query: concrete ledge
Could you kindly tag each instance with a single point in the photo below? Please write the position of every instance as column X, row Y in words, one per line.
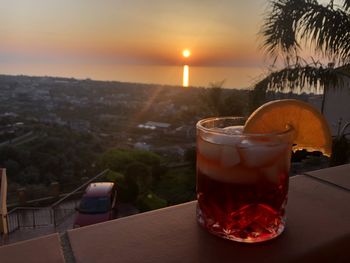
column 40, row 250
column 338, row 175
column 317, row 223
column 318, row 217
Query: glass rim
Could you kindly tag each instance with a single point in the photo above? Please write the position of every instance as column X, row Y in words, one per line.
column 199, row 125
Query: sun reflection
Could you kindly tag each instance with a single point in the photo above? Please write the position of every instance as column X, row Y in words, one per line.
column 185, row 77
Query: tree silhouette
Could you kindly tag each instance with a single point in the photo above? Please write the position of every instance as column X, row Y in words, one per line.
column 292, row 26
column 140, row 175
column 216, row 102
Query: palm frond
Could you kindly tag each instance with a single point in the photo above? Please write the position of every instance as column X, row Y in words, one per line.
column 281, row 24
column 328, row 29
column 300, row 77
column 323, row 26
column 346, row 5
column 310, row 78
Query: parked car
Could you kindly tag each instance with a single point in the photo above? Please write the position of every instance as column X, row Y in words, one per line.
column 98, row 204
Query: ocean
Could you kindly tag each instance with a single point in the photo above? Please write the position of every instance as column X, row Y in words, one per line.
column 232, row 77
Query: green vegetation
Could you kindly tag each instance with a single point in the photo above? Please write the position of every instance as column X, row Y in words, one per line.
column 177, row 185
column 65, row 156
column 119, row 159
column 114, row 176
column 215, row 101
column 150, row 201
column 58, row 154
column 80, row 127
column 143, row 181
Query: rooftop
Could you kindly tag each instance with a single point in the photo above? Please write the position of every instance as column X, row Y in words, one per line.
column 318, row 230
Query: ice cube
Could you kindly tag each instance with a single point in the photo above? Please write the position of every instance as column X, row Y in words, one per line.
column 229, row 153
column 256, row 153
column 236, row 174
column 227, row 135
column 273, row 172
column 229, row 156
column 214, row 146
column 208, row 149
column 233, row 130
column 209, row 168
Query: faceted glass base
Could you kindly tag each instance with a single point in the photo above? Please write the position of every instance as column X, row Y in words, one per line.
column 258, row 228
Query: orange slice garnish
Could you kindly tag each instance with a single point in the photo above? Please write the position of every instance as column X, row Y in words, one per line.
column 312, row 132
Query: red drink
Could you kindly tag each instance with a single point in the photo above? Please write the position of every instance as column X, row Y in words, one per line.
column 242, row 183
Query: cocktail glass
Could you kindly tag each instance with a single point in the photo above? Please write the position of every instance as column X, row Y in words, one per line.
column 242, row 180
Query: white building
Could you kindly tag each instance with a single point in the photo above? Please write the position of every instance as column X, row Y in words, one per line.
column 337, row 105
column 152, row 125
column 159, row 125
column 142, row 146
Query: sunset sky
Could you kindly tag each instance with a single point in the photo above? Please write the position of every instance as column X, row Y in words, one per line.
column 222, row 32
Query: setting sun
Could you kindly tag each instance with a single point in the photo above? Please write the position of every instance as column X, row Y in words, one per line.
column 186, row 53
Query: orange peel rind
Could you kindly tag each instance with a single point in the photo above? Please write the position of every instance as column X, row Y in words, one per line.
column 312, row 132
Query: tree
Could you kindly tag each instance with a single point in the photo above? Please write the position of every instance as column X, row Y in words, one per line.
column 150, row 201
column 212, row 99
column 140, row 175
column 13, row 168
column 140, row 168
column 177, row 186
column 217, row 101
column 289, row 28
column 118, row 159
column 115, row 159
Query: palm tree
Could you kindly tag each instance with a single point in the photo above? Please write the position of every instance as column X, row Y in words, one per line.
column 290, row 27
